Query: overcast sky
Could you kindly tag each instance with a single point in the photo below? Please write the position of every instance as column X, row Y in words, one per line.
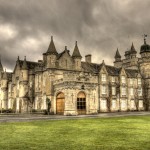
column 99, row 26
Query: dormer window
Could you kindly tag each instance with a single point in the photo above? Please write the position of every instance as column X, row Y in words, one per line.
column 131, row 91
column 103, row 89
column 123, row 79
column 131, row 81
column 123, row 91
column 113, row 79
column 103, row 77
column 139, row 81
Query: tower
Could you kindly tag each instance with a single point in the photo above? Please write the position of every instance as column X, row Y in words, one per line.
column 4, row 90
column 51, row 55
column 117, row 62
column 77, row 57
column 144, row 66
column 22, row 101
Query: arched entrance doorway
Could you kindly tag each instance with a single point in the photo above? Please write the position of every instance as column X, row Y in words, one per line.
column 81, row 103
column 60, row 104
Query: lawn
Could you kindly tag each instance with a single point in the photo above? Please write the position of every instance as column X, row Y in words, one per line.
column 122, row 133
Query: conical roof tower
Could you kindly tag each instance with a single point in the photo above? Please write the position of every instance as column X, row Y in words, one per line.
column 76, row 52
column 117, row 55
column 51, row 48
column 1, row 66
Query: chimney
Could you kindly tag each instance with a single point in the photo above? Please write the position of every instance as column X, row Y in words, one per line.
column 88, row 58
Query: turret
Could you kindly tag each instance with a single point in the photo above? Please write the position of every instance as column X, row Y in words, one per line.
column 145, row 49
column 4, row 80
column 4, row 90
column 1, row 67
column 77, row 57
column 51, row 55
column 117, row 62
column 133, row 52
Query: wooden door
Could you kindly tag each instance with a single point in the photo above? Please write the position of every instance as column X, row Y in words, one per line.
column 60, row 104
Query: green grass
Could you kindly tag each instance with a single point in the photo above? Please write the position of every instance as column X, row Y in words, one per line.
column 122, row 133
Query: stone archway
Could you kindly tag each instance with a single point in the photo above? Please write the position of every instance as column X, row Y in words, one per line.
column 60, row 103
column 81, row 103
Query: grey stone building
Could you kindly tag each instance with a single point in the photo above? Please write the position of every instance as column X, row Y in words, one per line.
column 75, row 87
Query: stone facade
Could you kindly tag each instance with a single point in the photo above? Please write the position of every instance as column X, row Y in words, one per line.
column 74, row 87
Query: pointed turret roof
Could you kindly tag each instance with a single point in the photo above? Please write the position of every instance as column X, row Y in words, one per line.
column 18, row 62
column 132, row 48
column 76, row 52
column 24, row 65
column 117, row 54
column 51, row 48
column 1, row 66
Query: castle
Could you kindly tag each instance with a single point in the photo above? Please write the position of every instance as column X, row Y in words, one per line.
column 74, row 87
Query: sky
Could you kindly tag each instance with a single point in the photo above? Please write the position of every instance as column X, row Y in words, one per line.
column 99, row 26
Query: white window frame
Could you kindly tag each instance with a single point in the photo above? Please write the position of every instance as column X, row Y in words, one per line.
column 139, row 91
column 104, row 89
column 139, row 81
column 131, row 91
column 123, row 104
column 123, row 91
column 113, row 79
column 103, row 104
column 113, row 90
column 131, row 81
column 123, row 79
column 103, row 77
column 114, row 103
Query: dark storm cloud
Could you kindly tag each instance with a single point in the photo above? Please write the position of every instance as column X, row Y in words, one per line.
column 100, row 26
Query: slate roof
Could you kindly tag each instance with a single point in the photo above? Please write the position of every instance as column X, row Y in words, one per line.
column 51, row 48
column 113, row 71
column 133, row 49
column 117, row 55
column 76, row 52
column 90, row 67
column 30, row 65
column 1, row 66
column 132, row 73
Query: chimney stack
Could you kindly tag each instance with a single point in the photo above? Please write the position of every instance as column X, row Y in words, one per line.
column 88, row 58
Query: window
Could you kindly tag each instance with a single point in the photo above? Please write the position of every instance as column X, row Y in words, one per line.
column 44, row 80
column 132, row 104
column 103, row 104
column 140, row 103
column 131, row 91
column 103, row 89
column 131, row 81
column 113, row 104
column 123, row 104
column 113, row 90
column 139, row 91
column 113, row 79
column 17, row 84
column 123, row 80
column 104, row 77
column 9, row 89
column 123, row 91
column 139, row 81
